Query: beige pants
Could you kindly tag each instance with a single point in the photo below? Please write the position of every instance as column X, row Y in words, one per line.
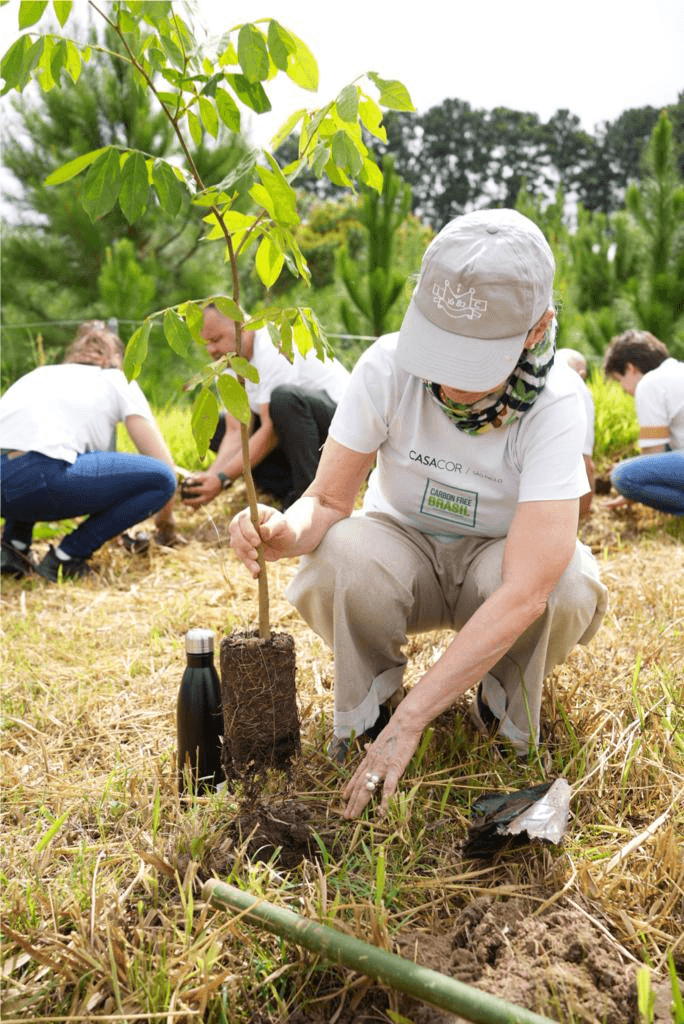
column 371, row 582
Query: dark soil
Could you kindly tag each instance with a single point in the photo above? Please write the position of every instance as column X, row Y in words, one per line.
column 259, row 696
column 541, row 961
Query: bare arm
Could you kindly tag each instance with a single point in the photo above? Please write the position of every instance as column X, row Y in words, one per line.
column 204, row 487
column 539, row 547
column 329, row 498
column 148, row 439
column 586, row 499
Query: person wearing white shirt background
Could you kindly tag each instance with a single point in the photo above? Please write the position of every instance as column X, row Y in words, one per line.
column 469, row 519
column 644, row 369
column 56, row 425
column 292, row 406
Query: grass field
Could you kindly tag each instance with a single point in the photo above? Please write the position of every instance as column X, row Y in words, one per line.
column 102, row 865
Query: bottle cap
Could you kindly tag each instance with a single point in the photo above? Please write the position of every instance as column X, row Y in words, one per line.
column 199, row 641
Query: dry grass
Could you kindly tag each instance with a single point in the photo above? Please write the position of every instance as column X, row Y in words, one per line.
column 101, row 863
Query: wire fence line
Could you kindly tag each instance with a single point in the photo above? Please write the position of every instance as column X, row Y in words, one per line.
column 113, row 324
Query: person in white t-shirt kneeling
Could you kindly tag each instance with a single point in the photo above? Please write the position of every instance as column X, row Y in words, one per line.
column 56, row 425
column 644, row 369
column 469, row 521
column 292, row 406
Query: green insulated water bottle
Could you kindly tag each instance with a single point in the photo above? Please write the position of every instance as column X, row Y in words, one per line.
column 199, row 716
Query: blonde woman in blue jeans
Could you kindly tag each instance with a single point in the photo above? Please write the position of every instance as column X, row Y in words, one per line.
column 56, row 425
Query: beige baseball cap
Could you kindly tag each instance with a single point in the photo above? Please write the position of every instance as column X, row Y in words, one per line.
column 485, row 281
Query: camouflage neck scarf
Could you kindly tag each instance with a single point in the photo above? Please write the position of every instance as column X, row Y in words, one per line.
column 510, row 402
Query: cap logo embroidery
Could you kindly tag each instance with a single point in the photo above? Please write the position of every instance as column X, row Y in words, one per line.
column 458, row 304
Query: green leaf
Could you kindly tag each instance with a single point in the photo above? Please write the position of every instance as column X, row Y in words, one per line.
column 169, row 188
column 244, row 368
column 303, row 336
column 250, row 93
column 393, row 94
column 19, row 61
column 302, row 67
column 269, row 262
column 371, row 118
column 234, row 397
column 73, row 62
column 371, row 175
column 74, row 167
column 280, row 44
column 45, row 77
column 135, row 187
column 101, row 185
column 58, row 59
column 192, row 314
column 645, row 993
column 337, row 175
column 172, row 51
column 195, row 126
column 229, row 308
column 678, row 1000
column 286, row 129
column 228, row 110
column 345, row 154
column 128, row 23
column 31, row 11
column 136, row 350
column 62, row 9
column 209, row 116
column 177, row 333
column 253, row 54
column 263, row 198
column 347, row 103
column 283, row 196
column 228, row 56
column 203, row 420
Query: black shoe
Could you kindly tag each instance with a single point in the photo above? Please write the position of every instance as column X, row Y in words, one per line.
column 482, row 716
column 487, row 723
column 339, row 746
column 14, row 562
column 73, row 568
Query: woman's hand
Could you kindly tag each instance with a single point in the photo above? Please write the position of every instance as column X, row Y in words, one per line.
column 619, row 502
column 275, row 533
column 384, row 764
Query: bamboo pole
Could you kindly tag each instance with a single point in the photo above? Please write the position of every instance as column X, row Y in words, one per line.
column 388, row 968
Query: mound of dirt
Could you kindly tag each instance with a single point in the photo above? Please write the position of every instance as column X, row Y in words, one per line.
column 502, row 947
column 539, row 961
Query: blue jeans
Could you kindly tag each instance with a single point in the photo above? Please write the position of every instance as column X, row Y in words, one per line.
column 114, row 490
column 654, row 480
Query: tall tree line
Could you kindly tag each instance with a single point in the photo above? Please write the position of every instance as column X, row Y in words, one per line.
column 456, row 157
column 57, row 265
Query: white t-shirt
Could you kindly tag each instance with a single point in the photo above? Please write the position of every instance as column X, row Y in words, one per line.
column 305, row 372
column 659, row 398
column 587, row 402
column 67, row 409
column 432, row 476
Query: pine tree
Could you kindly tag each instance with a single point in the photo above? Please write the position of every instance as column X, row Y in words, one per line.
column 53, row 254
column 657, row 205
column 375, row 289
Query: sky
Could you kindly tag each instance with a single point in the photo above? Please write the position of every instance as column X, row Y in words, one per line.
column 595, row 58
